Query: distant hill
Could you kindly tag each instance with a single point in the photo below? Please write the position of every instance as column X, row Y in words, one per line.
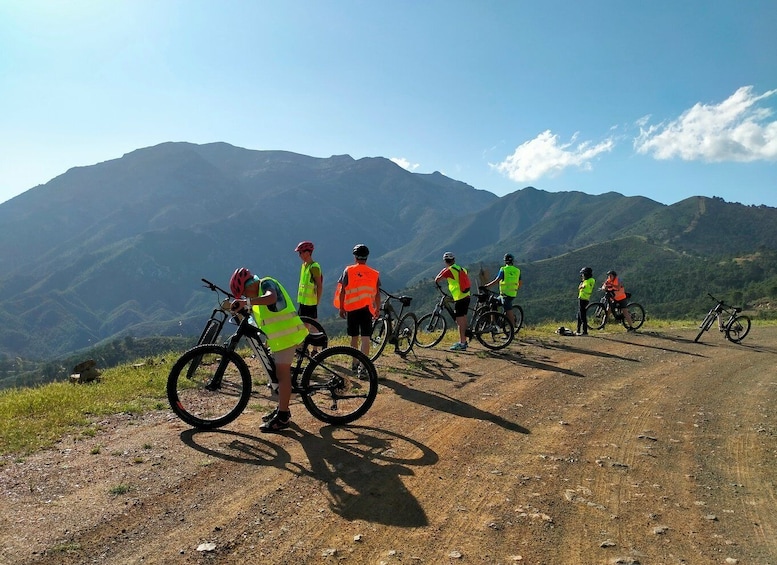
column 118, row 248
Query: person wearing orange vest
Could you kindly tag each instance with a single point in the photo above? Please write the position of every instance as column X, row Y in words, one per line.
column 358, row 298
column 461, row 297
column 274, row 313
column 615, row 290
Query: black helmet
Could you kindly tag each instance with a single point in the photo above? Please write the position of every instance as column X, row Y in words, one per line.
column 509, row 258
column 613, row 273
column 361, row 251
column 587, row 272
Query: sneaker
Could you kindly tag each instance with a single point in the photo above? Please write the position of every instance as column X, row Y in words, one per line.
column 458, row 346
column 630, row 330
column 270, row 415
column 279, row 422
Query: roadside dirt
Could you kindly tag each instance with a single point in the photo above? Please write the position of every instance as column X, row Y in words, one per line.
column 614, row 448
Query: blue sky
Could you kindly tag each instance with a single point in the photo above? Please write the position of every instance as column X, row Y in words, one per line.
column 663, row 99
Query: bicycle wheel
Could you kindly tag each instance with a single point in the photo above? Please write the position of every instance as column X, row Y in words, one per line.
column 378, row 338
column 637, row 315
column 597, row 315
column 737, row 329
column 705, row 325
column 405, row 332
column 493, row 330
column 518, row 315
column 339, row 385
column 215, row 392
column 431, row 330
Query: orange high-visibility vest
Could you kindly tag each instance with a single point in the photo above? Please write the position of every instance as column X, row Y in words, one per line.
column 616, row 287
column 361, row 288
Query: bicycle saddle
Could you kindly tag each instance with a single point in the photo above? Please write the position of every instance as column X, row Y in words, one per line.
column 405, row 300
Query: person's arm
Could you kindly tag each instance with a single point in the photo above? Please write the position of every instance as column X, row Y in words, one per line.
column 444, row 274
column 376, row 299
column 318, row 280
column 499, row 276
column 343, row 282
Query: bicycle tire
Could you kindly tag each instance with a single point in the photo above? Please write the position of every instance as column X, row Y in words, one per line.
column 407, row 327
column 637, row 315
column 378, row 337
column 215, row 392
column 493, row 330
column 705, row 325
column 737, row 329
column 431, row 330
column 209, row 335
column 339, row 385
column 518, row 316
column 597, row 316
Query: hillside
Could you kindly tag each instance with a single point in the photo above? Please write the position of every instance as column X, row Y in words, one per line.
column 609, row 449
column 117, row 249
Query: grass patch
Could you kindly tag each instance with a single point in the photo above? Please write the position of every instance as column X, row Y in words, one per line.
column 118, row 490
column 35, row 418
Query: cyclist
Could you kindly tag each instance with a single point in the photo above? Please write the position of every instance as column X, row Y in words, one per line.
column 357, row 296
column 509, row 279
column 274, row 314
column 584, row 291
column 311, row 281
column 461, row 296
column 614, row 288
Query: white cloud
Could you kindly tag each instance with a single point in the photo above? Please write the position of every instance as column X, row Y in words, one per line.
column 405, row 164
column 545, row 155
column 737, row 129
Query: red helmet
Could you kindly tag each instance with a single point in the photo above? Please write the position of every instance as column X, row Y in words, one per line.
column 304, row 246
column 237, row 284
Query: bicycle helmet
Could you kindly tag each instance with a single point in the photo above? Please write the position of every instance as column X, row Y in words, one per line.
column 237, row 284
column 304, row 246
column 613, row 273
column 361, row 251
column 509, row 258
column 587, row 272
column 448, row 256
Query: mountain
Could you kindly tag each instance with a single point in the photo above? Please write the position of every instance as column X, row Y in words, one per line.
column 118, row 248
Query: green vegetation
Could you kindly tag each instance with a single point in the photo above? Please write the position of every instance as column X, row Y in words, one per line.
column 37, row 417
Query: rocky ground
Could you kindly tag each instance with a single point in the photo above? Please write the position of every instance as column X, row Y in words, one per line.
column 615, row 448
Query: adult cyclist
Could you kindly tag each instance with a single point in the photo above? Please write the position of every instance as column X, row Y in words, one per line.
column 509, row 279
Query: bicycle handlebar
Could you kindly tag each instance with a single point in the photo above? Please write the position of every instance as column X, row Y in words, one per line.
column 215, row 287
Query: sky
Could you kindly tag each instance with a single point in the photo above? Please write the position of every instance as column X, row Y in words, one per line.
column 662, row 99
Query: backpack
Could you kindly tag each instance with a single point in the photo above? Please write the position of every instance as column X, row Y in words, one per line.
column 464, row 283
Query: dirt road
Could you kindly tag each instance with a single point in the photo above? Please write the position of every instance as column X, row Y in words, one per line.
column 615, row 448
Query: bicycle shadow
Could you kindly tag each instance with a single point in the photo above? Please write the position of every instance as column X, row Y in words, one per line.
column 517, row 358
column 580, row 350
column 428, row 368
column 657, row 335
column 454, row 406
column 362, row 476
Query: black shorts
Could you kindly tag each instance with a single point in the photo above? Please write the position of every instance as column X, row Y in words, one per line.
column 359, row 322
column 309, row 311
column 460, row 307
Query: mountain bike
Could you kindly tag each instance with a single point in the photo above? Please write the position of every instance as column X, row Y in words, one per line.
column 598, row 313
column 497, row 303
column 490, row 327
column 210, row 385
column 390, row 327
column 735, row 328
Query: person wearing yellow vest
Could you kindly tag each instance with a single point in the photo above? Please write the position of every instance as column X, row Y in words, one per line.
column 274, row 314
column 461, row 296
column 358, row 298
column 311, row 281
column 509, row 279
column 617, row 293
column 584, row 291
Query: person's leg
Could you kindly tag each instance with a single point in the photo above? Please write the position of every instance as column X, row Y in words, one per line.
column 279, row 419
column 461, row 322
